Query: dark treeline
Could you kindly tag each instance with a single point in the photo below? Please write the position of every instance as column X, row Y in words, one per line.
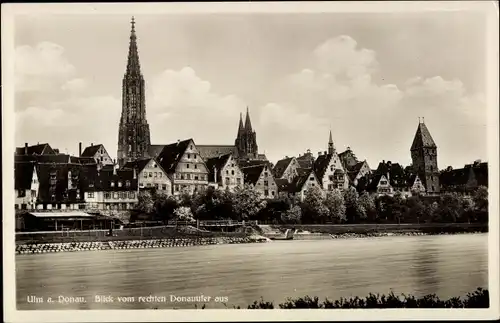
column 317, row 207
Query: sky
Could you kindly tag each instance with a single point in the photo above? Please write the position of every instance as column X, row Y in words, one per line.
column 367, row 77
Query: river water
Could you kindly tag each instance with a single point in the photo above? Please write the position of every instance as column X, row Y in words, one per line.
column 447, row 265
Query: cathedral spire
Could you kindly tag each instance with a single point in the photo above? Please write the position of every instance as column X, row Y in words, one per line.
column 133, row 66
column 241, row 128
column 248, row 124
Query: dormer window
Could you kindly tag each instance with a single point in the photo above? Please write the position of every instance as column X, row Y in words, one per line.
column 127, row 183
column 119, row 184
column 112, row 184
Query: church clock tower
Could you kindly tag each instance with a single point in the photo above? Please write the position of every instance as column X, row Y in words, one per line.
column 133, row 135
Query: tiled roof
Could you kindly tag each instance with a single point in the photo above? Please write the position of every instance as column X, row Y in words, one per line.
column 282, row 184
column 90, row 151
column 422, row 138
column 36, row 150
column 456, row 177
column 397, row 176
column 306, row 160
column 105, row 179
column 58, row 159
column 252, row 174
column 212, row 151
column 171, row 154
column 299, row 181
column 321, row 164
column 373, row 182
column 281, row 166
column 251, row 163
column 23, row 175
column 216, row 163
column 138, row 164
column 155, row 150
column 82, row 160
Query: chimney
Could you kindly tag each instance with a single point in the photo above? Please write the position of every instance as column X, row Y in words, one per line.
column 178, row 141
column 114, row 169
column 319, row 153
column 325, row 152
column 80, row 149
column 383, row 161
column 215, row 174
column 91, row 144
column 25, row 148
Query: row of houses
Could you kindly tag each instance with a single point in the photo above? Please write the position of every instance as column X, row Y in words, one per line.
column 47, row 179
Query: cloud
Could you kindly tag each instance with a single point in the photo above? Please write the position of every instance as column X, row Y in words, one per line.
column 41, row 68
column 182, row 105
column 337, row 90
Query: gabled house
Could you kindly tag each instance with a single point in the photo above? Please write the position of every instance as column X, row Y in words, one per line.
column 214, row 151
column 330, row 172
column 306, row 160
column 380, row 184
column 184, row 166
column 150, row 175
column 305, row 180
column 261, row 179
column 96, row 152
column 286, row 169
column 38, row 149
column 357, row 171
column 111, row 189
column 348, row 158
column 415, row 185
column 224, row 172
column 26, row 185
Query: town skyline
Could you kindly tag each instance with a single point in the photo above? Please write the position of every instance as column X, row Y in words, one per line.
column 63, row 98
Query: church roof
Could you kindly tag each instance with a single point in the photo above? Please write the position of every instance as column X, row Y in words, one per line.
column 212, row 151
column 91, row 151
column 423, row 138
column 171, row 154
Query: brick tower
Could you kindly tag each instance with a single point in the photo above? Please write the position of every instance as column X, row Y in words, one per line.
column 424, row 158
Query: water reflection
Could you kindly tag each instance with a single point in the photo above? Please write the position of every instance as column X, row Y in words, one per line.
column 446, row 265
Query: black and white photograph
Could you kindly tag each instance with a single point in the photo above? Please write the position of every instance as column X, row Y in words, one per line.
column 244, row 161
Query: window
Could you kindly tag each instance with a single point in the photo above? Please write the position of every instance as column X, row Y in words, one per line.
column 127, row 183
column 119, row 184
column 265, row 174
column 21, row 193
column 131, row 195
column 232, row 165
column 196, row 177
column 188, row 176
column 195, row 166
column 187, row 165
column 238, row 181
column 164, row 187
column 191, row 147
column 227, row 181
column 150, row 174
column 16, row 206
column 227, row 172
column 91, row 195
column 176, row 188
column 91, row 184
column 154, row 165
column 141, row 185
column 156, row 174
column 115, row 195
column 157, row 186
column 266, row 183
column 189, row 156
column 383, row 182
column 195, row 157
column 266, row 193
column 331, row 168
column 272, row 193
column 101, row 158
column 107, row 195
column 148, row 185
column 182, row 176
column 145, row 175
column 159, row 174
column 112, row 184
column 311, row 178
column 232, row 172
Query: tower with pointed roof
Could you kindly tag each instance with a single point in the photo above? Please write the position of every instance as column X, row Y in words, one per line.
column 424, row 157
column 246, row 140
column 133, row 135
column 331, row 148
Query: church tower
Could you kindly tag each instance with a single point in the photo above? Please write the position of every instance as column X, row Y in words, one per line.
column 246, row 140
column 331, row 148
column 133, row 134
column 424, row 158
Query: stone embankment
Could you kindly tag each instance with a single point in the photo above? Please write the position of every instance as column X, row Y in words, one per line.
column 132, row 244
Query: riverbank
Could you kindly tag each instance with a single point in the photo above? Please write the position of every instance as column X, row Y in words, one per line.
column 132, row 244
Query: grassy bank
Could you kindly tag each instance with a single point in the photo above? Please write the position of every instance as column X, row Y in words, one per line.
column 478, row 299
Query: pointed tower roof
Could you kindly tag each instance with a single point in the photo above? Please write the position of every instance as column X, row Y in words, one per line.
column 330, row 140
column 133, row 66
column 248, row 124
column 423, row 138
column 241, row 128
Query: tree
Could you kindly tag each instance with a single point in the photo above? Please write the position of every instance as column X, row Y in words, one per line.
column 293, row 215
column 145, row 202
column 415, row 208
column 367, row 202
column 183, row 213
column 164, row 206
column 247, row 203
column 353, row 209
column 313, row 207
column 275, row 209
column 468, row 208
column 335, row 204
column 480, row 198
column 449, row 208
